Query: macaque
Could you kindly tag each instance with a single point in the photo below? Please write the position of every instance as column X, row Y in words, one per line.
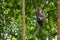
column 40, row 16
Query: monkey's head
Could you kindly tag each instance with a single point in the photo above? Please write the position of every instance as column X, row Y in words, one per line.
column 38, row 9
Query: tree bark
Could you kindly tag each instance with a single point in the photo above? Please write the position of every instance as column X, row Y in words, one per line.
column 58, row 33
column 23, row 21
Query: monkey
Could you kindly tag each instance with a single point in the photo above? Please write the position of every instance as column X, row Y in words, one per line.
column 40, row 19
column 40, row 16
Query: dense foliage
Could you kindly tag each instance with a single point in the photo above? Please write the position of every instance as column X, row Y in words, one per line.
column 11, row 19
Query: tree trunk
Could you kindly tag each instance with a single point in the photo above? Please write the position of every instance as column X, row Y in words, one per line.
column 58, row 33
column 23, row 21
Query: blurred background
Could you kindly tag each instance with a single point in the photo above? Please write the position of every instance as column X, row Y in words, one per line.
column 11, row 19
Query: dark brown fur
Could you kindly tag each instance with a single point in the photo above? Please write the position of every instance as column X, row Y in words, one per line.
column 40, row 16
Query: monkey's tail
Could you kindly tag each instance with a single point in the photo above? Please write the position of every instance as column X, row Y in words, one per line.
column 36, row 32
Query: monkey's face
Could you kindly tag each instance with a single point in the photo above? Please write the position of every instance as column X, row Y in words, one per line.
column 40, row 10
